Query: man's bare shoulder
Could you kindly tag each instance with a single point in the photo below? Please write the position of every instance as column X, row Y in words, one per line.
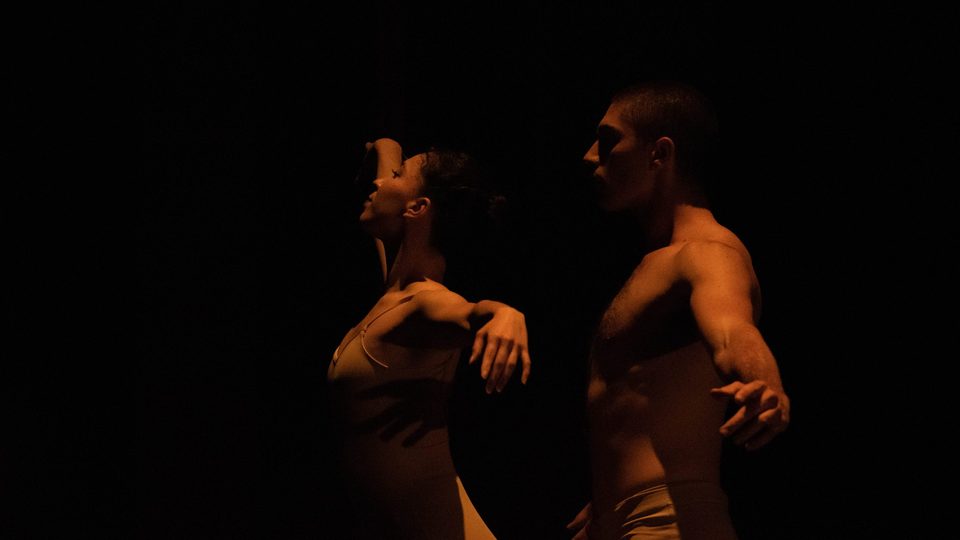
column 694, row 250
column 698, row 256
column 678, row 258
column 706, row 237
column 718, row 266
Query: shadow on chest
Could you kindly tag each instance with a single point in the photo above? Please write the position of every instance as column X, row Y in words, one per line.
column 648, row 319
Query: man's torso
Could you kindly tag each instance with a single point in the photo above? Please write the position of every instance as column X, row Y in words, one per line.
column 652, row 418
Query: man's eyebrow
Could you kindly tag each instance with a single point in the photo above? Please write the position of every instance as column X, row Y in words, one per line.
column 608, row 130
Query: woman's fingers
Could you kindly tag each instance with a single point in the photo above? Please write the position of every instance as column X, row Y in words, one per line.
column 499, row 364
column 508, row 368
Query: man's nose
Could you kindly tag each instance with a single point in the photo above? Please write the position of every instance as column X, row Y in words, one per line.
column 592, row 157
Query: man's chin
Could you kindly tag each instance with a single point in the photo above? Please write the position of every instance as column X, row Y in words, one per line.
column 608, row 204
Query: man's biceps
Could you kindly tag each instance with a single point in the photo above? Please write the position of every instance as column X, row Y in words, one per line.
column 717, row 303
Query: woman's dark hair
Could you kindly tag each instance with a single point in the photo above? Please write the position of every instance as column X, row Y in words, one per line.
column 467, row 212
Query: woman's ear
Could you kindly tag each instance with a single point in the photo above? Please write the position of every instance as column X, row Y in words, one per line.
column 417, row 207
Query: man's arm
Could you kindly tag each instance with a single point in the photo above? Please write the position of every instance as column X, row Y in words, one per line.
column 498, row 333
column 721, row 282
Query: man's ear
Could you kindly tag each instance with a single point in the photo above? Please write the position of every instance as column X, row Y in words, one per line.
column 417, row 208
column 663, row 152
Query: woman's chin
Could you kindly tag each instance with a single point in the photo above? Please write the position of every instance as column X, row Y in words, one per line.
column 369, row 224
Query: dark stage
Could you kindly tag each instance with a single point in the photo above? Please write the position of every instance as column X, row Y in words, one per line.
column 252, row 265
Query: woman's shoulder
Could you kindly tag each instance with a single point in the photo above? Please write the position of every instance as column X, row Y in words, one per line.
column 435, row 293
column 435, row 302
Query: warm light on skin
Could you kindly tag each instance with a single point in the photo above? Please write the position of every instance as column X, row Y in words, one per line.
column 397, row 198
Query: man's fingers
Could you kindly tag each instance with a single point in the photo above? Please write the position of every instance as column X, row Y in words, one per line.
column 762, row 430
column 751, row 390
column 737, row 421
column 769, row 401
column 749, row 396
column 777, row 418
column 773, row 422
column 726, row 391
column 581, row 535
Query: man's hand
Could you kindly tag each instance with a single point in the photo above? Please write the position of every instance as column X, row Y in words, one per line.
column 581, row 523
column 764, row 412
column 501, row 342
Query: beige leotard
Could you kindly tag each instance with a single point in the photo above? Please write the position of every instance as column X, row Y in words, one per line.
column 396, row 454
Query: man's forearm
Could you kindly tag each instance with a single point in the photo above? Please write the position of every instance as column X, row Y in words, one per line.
column 746, row 357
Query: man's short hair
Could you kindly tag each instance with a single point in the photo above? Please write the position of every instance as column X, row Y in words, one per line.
column 677, row 110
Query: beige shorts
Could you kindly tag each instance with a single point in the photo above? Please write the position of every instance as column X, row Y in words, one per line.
column 684, row 510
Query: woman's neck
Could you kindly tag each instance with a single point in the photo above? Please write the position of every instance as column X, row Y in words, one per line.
column 412, row 261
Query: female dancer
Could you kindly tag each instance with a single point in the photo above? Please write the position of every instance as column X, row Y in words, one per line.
column 390, row 376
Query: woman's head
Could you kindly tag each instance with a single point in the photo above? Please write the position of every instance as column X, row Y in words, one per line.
column 396, row 202
column 441, row 189
column 464, row 206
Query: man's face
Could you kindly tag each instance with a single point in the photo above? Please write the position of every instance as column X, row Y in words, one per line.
column 620, row 162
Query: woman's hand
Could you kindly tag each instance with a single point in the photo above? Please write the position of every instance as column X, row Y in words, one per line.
column 501, row 343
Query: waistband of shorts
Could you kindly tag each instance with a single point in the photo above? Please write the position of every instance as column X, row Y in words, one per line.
column 682, row 493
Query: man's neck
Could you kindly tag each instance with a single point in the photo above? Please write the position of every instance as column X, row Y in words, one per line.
column 678, row 214
column 690, row 222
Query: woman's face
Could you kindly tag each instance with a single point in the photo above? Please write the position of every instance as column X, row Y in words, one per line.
column 384, row 209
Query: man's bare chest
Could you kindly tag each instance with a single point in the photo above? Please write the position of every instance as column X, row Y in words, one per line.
column 649, row 315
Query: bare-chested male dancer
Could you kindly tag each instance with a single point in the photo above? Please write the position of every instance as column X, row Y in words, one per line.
column 680, row 338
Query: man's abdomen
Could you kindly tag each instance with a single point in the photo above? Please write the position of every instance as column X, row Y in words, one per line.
column 655, row 423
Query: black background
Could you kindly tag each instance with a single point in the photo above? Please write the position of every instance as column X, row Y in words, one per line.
column 839, row 133
column 253, row 265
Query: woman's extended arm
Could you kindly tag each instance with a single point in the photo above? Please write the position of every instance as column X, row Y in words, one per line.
column 498, row 333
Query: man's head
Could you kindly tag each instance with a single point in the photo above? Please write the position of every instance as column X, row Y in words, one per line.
column 652, row 135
